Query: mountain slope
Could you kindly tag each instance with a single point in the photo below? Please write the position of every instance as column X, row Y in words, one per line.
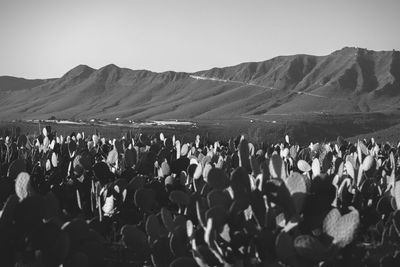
column 346, row 81
column 14, row 83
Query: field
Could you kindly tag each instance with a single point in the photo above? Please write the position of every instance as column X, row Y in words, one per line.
column 128, row 232
column 303, row 128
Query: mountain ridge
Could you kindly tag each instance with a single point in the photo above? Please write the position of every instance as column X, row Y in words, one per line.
column 347, row 80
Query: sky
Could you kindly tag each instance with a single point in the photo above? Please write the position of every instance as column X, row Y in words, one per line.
column 46, row 38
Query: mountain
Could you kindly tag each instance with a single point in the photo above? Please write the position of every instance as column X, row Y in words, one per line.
column 9, row 83
column 350, row 80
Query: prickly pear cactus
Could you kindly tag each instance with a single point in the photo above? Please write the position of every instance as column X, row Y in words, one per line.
column 316, row 167
column 153, row 228
column 161, row 254
column 135, row 239
column 6, row 216
column 244, row 154
column 178, row 242
column 303, row 166
column 342, row 228
column 350, row 169
column 368, row 163
column 217, row 179
column 23, row 187
column 396, row 221
column 297, row 187
column 284, row 246
column 167, row 219
column 276, row 167
column 310, row 248
column 179, row 197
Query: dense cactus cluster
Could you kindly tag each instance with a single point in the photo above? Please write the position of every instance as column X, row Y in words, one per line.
column 159, row 201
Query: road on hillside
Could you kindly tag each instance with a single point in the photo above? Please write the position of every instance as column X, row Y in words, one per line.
column 249, row 84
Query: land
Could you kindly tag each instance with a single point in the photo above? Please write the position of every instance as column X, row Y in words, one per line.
column 351, row 92
column 384, row 127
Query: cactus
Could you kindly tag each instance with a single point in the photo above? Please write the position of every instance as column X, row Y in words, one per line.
column 52, row 205
column 161, row 254
column 285, row 153
column 276, row 167
column 167, row 219
column 210, row 236
column 240, row 183
column 205, row 190
column 238, row 206
column 339, row 167
column 15, row 168
column 244, row 154
column 221, row 163
column 189, row 229
column 303, row 166
column 95, row 251
column 9, row 207
column 223, row 219
column 77, row 259
column 255, row 166
column 258, row 206
column 184, row 262
column 204, row 257
column 136, row 183
column 327, row 161
column 265, row 245
column 56, row 249
column 311, row 248
column 343, row 193
column 396, row 194
column 286, row 201
column 218, row 215
column 29, row 213
column 329, row 224
column 201, row 206
column 206, row 170
column 393, row 203
column 225, row 233
column 384, row 207
column 388, row 261
column 77, row 230
column 396, row 221
column 179, row 197
column 145, row 199
column 316, row 167
column 23, row 187
column 219, row 198
column 293, row 152
column 363, row 149
column 350, row 169
column 217, row 179
column 135, row 239
column 153, row 228
column 198, row 172
column 285, row 250
column 368, row 163
column 108, row 207
column 178, row 242
column 341, row 228
column 393, row 236
column 179, row 220
column 297, row 187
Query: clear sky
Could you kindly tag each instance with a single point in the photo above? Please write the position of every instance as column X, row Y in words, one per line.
column 46, row 38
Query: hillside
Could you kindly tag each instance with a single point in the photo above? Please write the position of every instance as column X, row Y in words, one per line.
column 9, row 83
column 350, row 80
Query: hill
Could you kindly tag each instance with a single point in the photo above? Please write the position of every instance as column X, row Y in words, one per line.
column 350, row 80
column 9, row 83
